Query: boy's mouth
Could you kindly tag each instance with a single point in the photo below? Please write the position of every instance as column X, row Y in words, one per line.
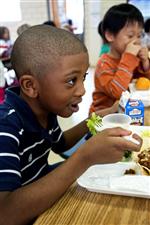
column 74, row 107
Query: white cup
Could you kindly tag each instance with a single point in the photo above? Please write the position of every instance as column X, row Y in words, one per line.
column 118, row 120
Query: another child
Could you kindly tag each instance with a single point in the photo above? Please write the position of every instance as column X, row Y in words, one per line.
column 22, row 28
column 5, row 42
column 51, row 66
column 122, row 28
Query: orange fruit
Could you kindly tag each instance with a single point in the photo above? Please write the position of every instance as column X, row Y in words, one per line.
column 142, row 83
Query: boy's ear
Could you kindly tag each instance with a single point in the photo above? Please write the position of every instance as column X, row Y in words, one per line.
column 29, row 85
column 109, row 36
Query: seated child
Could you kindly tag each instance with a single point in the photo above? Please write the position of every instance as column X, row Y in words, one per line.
column 5, row 42
column 122, row 28
column 51, row 66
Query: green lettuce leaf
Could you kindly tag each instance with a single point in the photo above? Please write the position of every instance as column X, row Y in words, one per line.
column 91, row 123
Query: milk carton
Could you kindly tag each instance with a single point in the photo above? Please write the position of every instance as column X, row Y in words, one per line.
column 135, row 109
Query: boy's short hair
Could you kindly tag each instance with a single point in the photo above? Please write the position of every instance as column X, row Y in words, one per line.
column 147, row 26
column 119, row 15
column 37, row 50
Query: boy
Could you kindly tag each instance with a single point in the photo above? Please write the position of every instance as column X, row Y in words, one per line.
column 122, row 28
column 51, row 64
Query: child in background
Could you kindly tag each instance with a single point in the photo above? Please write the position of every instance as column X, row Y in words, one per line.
column 51, row 66
column 122, row 28
column 22, row 28
column 50, row 23
column 5, row 43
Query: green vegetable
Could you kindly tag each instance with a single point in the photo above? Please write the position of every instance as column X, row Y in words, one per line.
column 92, row 121
column 127, row 156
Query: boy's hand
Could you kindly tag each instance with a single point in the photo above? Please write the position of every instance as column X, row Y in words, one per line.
column 114, row 107
column 109, row 146
column 143, row 56
column 133, row 47
column 106, row 111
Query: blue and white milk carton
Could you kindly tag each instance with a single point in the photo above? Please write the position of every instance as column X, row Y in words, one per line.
column 135, row 109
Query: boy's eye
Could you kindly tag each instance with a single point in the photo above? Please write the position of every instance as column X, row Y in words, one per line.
column 72, row 81
column 130, row 36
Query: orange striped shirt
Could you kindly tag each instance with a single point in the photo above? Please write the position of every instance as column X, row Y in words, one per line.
column 112, row 77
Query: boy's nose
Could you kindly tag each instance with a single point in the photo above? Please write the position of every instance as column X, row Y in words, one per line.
column 80, row 90
column 138, row 41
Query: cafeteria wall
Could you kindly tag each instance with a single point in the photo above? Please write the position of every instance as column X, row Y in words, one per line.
column 35, row 12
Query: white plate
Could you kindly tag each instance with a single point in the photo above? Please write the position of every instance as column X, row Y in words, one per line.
column 110, row 179
column 143, row 95
column 135, row 129
column 98, row 177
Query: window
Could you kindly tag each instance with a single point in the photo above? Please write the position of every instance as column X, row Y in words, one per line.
column 10, row 11
column 143, row 6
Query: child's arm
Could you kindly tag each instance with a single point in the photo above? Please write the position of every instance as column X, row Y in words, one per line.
column 21, row 206
column 112, row 79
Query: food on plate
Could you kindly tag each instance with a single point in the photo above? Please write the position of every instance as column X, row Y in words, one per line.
column 144, row 158
column 142, row 83
column 136, row 169
column 130, row 171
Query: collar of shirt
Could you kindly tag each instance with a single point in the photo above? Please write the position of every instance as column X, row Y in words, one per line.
column 23, row 110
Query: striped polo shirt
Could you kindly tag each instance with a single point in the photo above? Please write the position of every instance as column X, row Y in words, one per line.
column 24, row 143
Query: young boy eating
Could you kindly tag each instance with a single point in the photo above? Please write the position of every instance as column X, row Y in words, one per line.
column 51, row 66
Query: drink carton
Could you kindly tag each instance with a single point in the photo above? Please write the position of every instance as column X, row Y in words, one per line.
column 135, row 109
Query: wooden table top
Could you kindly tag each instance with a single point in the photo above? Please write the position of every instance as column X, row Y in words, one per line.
column 147, row 116
column 81, row 207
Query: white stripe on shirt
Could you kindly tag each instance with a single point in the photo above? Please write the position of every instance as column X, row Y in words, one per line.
column 34, row 160
column 32, row 146
column 9, row 135
column 56, row 129
column 58, row 138
column 119, row 85
column 10, row 154
column 35, row 175
column 11, row 171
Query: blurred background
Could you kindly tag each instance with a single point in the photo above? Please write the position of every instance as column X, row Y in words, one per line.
column 82, row 16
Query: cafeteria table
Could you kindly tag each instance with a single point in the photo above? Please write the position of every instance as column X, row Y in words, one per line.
column 82, row 207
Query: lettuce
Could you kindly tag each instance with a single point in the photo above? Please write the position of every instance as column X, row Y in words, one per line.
column 92, row 121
